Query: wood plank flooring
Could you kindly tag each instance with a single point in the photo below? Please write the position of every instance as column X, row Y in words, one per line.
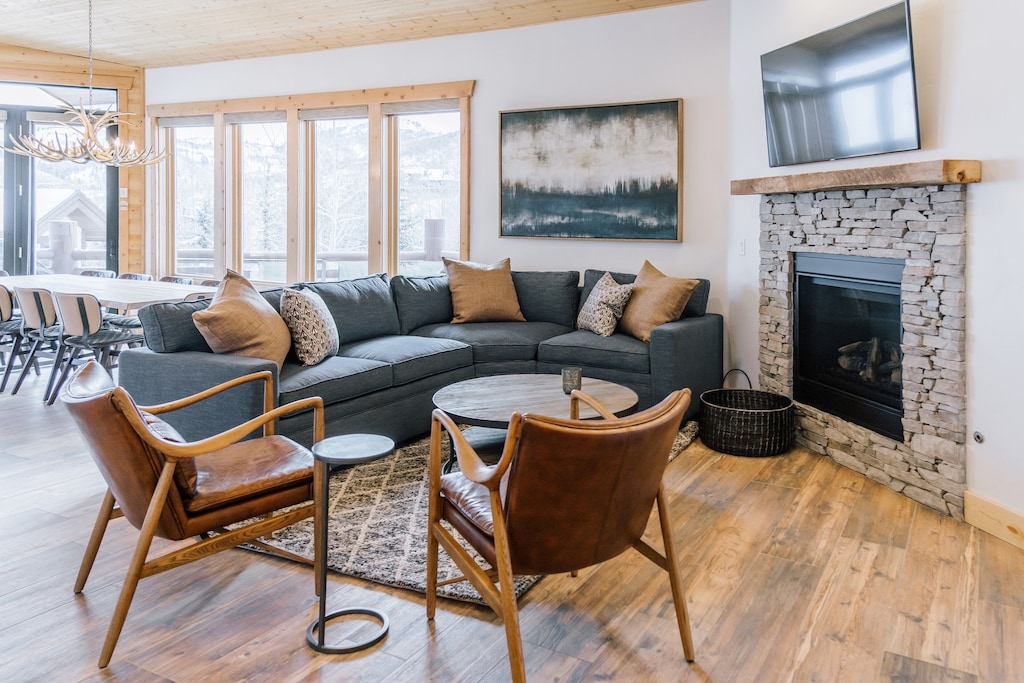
column 796, row 570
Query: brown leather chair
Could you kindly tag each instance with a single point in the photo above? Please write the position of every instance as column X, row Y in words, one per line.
column 566, row 494
column 176, row 490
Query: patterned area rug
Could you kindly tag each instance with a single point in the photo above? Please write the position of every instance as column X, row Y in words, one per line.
column 378, row 523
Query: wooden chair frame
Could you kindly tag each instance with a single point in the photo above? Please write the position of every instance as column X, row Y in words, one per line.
column 487, row 581
column 140, row 565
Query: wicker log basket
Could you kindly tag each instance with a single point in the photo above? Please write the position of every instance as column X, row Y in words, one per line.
column 746, row 422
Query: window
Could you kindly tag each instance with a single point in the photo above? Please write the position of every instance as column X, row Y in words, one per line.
column 428, row 161
column 340, row 199
column 317, row 187
column 191, row 171
column 262, row 196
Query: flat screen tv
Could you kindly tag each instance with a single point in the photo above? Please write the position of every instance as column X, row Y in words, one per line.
column 849, row 91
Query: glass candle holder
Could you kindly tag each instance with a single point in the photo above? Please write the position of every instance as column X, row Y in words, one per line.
column 572, row 378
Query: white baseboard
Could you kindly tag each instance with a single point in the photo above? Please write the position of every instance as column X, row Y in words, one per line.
column 996, row 519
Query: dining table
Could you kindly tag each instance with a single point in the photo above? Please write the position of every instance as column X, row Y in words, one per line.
column 123, row 295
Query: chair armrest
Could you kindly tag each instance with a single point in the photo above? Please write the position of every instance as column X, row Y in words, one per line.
column 154, row 379
column 472, row 467
column 174, row 450
column 268, row 395
column 574, row 406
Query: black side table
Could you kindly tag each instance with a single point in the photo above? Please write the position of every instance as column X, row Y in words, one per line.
column 335, row 451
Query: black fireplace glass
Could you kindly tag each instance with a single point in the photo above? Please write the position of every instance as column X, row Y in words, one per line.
column 848, row 334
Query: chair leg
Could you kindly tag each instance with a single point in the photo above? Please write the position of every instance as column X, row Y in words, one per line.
column 509, row 606
column 65, row 371
column 10, row 366
column 137, row 564
column 28, row 361
column 674, row 576
column 106, row 513
column 58, row 365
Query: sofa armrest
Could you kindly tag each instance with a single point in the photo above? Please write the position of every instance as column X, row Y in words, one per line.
column 153, row 378
column 687, row 354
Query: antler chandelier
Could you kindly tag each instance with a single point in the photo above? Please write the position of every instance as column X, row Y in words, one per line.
column 84, row 136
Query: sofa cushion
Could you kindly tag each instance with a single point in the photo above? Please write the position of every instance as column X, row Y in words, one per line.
column 362, row 308
column 505, row 341
column 421, row 301
column 697, row 305
column 601, row 311
column 482, row 293
column 582, row 348
column 336, row 379
column 548, row 297
column 239, row 321
column 657, row 299
column 168, row 327
column 314, row 334
column 412, row 357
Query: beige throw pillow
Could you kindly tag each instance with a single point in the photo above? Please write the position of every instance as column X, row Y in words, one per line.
column 482, row 293
column 314, row 332
column 603, row 308
column 656, row 300
column 241, row 322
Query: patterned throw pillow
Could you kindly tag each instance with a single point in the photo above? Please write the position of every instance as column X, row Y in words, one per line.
column 314, row 333
column 604, row 306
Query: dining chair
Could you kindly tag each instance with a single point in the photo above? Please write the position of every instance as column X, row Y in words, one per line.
column 210, row 283
column 38, row 326
column 82, row 329
column 180, row 279
column 98, row 273
column 135, row 276
column 214, row 494
column 10, row 329
column 565, row 494
column 3, row 273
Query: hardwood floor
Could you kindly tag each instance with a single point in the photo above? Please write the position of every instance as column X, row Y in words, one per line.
column 796, row 570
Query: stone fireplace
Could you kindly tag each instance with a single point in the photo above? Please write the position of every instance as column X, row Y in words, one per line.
column 911, row 215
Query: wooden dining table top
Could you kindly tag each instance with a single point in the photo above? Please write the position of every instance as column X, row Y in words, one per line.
column 111, row 292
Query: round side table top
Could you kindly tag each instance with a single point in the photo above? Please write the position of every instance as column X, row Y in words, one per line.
column 352, row 449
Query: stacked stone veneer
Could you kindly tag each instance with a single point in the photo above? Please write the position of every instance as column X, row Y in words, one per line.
column 924, row 226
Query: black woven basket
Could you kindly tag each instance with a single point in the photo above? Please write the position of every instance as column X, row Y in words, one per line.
column 746, row 421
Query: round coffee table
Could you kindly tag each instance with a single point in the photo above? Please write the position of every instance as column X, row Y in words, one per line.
column 490, row 401
column 338, row 451
column 487, row 404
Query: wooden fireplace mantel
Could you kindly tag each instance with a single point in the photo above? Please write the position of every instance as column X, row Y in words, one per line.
column 914, row 174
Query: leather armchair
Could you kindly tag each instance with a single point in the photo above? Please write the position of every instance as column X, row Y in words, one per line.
column 177, row 490
column 565, row 494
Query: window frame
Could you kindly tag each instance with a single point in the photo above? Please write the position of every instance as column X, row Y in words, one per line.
column 301, row 112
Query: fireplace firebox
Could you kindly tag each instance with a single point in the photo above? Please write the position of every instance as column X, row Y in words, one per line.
column 848, row 332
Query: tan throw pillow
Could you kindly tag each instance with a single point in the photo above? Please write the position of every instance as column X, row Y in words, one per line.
column 482, row 293
column 314, row 333
column 241, row 322
column 604, row 306
column 657, row 299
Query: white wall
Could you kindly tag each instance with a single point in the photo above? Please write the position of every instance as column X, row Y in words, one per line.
column 967, row 55
column 654, row 54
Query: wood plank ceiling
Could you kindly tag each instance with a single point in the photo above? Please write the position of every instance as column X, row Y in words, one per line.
column 156, row 33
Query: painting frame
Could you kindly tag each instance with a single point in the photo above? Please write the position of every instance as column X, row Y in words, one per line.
column 606, row 172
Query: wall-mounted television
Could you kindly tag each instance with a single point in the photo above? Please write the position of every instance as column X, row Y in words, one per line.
column 846, row 92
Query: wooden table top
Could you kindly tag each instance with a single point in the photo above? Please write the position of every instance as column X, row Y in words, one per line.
column 490, row 401
column 112, row 292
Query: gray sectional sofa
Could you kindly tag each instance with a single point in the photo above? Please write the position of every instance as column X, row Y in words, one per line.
column 398, row 346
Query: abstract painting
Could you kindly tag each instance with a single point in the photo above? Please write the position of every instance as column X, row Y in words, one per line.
column 595, row 172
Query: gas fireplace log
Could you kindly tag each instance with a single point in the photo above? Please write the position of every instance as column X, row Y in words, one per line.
column 875, row 361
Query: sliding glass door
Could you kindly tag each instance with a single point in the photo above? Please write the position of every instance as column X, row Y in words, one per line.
column 58, row 217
